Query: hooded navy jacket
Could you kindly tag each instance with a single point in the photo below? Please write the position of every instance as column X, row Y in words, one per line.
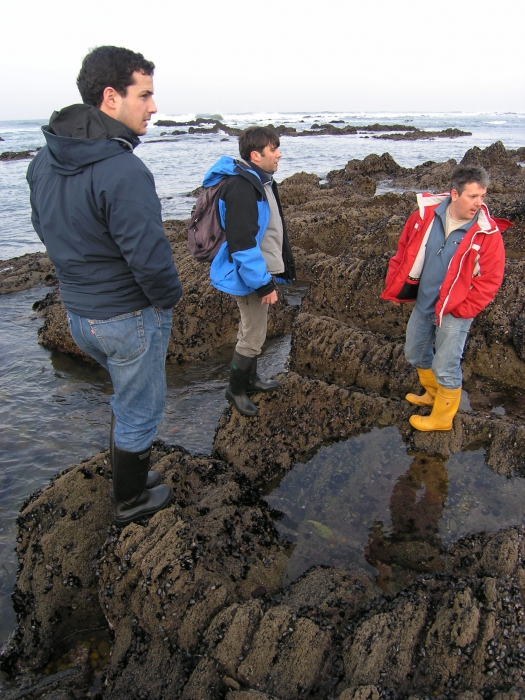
column 95, row 208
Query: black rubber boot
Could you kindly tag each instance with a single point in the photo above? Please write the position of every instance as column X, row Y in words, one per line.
column 236, row 392
column 132, row 500
column 154, row 478
column 255, row 383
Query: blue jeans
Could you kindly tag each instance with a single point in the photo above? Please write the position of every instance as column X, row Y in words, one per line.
column 132, row 347
column 449, row 339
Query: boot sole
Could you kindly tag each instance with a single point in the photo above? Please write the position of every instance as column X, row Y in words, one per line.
column 430, row 430
column 261, row 391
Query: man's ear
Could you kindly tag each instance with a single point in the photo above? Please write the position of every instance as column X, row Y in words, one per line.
column 255, row 157
column 110, row 100
column 454, row 195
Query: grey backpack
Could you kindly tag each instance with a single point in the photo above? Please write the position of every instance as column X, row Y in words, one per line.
column 205, row 233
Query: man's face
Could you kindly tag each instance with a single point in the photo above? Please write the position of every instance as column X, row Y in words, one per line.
column 268, row 160
column 467, row 204
column 135, row 109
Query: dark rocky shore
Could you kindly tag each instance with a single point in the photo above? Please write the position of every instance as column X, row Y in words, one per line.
column 16, row 155
column 410, row 133
column 192, row 600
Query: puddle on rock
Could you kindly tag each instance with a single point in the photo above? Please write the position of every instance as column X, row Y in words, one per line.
column 369, row 504
column 82, row 650
column 488, row 395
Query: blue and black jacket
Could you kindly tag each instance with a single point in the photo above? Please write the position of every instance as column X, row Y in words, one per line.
column 239, row 267
column 95, row 208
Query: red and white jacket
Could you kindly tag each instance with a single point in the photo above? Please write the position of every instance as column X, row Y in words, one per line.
column 475, row 272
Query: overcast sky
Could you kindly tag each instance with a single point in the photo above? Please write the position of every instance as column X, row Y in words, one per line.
column 274, row 55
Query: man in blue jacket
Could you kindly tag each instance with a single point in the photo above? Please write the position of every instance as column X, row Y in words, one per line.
column 256, row 252
column 95, row 208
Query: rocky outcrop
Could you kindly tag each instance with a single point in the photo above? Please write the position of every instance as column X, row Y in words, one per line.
column 507, row 176
column 194, row 596
column 418, row 134
column 216, row 546
column 374, row 166
column 25, row 272
column 410, row 133
column 192, row 122
column 59, row 530
column 16, row 155
column 196, row 130
column 311, row 412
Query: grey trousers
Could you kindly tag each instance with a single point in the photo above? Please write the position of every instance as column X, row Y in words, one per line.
column 252, row 326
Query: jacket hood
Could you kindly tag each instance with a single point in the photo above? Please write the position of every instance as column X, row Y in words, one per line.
column 80, row 135
column 226, row 166
column 486, row 223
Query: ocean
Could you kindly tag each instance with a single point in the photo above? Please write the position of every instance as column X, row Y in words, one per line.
column 179, row 164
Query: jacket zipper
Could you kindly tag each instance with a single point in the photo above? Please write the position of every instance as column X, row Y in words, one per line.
column 457, row 276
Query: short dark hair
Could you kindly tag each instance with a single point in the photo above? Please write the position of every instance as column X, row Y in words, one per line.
column 464, row 174
column 256, row 138
column 109, row 66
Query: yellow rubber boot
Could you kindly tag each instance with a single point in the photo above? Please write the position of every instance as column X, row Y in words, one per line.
column 445, row 408
column 429, row 383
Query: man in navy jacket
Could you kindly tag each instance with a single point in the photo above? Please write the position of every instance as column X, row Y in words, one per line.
column 95, row 208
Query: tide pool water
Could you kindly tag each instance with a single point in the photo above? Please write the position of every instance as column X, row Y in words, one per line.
column 368, row 504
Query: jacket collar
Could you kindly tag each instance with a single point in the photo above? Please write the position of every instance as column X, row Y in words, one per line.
column 427, row 201
column 83, row 121
column 263, row 175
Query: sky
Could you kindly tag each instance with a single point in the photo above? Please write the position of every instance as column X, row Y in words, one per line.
column 237, row 56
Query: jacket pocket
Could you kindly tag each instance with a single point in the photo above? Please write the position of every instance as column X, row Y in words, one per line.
column 121, row 337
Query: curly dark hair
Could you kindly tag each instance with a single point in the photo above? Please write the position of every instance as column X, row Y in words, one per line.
column 256, row 138
column 109, row 66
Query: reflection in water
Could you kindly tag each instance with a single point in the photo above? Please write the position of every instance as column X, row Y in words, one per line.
column 331, row 502
column 367, row 504
column 412, row 543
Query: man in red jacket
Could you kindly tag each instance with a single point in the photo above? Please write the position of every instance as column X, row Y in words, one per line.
column 450, row 260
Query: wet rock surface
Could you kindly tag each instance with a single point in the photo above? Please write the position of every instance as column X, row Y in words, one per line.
column 193, row 598
column 25, row 272
column 203, row 125
column 16, row 155
column 418, row 134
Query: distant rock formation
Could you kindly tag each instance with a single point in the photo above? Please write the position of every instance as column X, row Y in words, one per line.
column 418, row 134
column 16, row 155
column 410, row 133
